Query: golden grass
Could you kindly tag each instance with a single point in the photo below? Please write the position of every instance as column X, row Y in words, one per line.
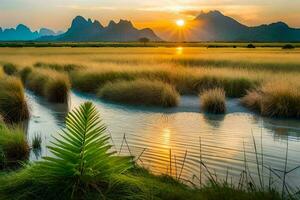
column 275, row 99
column 53, row 85
column 213, row 101
column 140, row 92
column 189, row 70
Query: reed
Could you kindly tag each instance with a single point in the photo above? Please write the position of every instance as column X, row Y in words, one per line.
column 140, row 92
column 213, row 101
column 13, row 105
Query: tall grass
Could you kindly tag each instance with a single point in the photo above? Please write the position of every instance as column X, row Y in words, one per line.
column 185, row 81
column 140, row 92
column 13, row 105
column 213, row 101
column 55, row 86
column 13, row 146
column 58, row 67
column 276, row 99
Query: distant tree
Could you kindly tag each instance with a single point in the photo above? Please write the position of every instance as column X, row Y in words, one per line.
column 144, row 40
column 288, row 46
column 251, row 46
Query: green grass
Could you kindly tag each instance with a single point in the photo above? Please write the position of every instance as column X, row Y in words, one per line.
column 55, row 86
column 10, row 69
column 140, row 92
column 213, row 101
column 13, row 146
column 13, row 105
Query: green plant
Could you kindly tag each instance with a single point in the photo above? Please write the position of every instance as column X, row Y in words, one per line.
column 36, row 141
column 140, row 92
column 10, row 69
column 13, row 146
column 213, row 101
column 13, row 105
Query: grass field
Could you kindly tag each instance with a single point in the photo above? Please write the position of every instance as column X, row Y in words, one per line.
column 190, row 70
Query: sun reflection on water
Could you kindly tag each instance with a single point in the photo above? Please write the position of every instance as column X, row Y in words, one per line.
column 179, row 50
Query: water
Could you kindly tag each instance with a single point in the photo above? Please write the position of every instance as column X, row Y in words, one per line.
column 151, row 133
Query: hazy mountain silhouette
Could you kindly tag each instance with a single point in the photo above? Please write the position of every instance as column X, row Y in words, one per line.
column 87, row 30
column 23, row 33
column 214, row 26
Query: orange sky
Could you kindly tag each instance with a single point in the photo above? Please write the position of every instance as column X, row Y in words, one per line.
column 157, row 14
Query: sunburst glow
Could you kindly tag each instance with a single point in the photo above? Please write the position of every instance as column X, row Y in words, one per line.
column 180, row 22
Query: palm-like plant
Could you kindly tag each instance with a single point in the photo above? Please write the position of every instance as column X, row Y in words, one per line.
column 82, row 154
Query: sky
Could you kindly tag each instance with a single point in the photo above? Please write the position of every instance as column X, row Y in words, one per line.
column 155, row 14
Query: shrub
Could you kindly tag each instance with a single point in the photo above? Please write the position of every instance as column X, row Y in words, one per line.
column 288, row 46
column 13, row 105
column 213, row 101
column 53, row 85
column 13, row 146
column 10, row 69
column 140, row 92
column 250, row 46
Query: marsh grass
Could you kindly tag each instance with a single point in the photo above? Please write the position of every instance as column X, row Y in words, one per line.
column 13, row 146
column 10, row 69
column 213, row 101
column 55, row 86
column 185, row 81
column 140, row 92
column 13, row 105
column 276, row 99
column 24, row 73
column 58, row 67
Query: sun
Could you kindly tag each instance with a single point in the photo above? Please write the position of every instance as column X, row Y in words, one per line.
column 180, row 22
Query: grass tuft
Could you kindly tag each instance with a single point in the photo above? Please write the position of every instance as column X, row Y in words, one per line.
column 13, row 105
column 140, row 92
column 10, row 69
column 277, row 99
column 55, row 86
column 13, row 146
column 213, row 101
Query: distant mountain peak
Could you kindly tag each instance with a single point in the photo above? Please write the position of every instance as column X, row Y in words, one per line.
column 22, row 27
column 78, row 21
column 212, row 13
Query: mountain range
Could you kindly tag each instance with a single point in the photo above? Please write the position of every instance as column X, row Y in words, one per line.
column 23, row 33
column 214, row 26
column 88, row 30
column 210, row 26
